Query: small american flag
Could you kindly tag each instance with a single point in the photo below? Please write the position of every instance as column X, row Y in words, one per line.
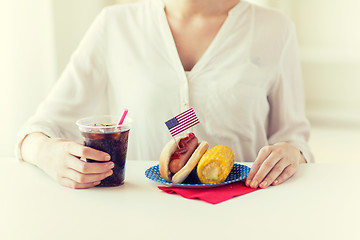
column 182, row 122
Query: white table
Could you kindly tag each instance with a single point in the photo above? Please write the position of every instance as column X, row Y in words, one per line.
column 322, row 201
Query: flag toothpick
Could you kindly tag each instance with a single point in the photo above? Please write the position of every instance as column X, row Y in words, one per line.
column 182, row 122
column 176, row 143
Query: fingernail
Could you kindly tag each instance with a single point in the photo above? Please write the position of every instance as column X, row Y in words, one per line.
column 248, row 182
column 111, row 165
column 254, row 184
column 107, row 157
column 264, row 184
column 276, row 182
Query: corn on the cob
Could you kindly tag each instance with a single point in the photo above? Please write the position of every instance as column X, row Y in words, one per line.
column 216, row 164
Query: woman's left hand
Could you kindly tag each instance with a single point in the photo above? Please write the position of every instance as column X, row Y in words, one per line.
column 274, row 165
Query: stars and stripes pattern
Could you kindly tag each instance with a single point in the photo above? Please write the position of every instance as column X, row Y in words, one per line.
column 182, row 122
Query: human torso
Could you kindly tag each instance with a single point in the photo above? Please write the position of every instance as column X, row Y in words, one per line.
column 227, row 86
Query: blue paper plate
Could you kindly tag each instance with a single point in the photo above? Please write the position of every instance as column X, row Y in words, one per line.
column 239, row 172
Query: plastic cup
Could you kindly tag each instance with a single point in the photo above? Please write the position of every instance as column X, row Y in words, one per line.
column 103, row 133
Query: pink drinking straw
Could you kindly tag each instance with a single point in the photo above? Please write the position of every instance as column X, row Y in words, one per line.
column 123, row 118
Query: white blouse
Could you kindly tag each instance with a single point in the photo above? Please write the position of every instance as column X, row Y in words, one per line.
column 246, row 89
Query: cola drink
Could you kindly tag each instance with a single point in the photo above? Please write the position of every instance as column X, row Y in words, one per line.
column 108, row 137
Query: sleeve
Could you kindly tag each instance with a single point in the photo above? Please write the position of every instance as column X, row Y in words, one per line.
column 288, row 122
column 79, row 92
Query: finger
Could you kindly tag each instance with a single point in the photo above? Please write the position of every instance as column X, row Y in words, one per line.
column 75, row 185
column 288, row 172
column 274, row 173
column 263, row 154
column 80, row 150
column 264, row 169
column 86, row 178
column 88, row 167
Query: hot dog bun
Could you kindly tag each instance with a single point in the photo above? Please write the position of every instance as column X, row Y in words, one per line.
column 184, row 172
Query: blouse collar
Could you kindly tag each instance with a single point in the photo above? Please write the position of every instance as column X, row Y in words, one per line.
column 238, row 9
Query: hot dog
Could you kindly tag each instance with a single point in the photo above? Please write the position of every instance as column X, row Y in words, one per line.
column 179, row 158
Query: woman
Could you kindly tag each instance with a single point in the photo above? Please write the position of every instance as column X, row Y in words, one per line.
column 235, row 63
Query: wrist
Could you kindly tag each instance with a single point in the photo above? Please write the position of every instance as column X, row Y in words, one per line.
column 32, row 147
column 302, row 158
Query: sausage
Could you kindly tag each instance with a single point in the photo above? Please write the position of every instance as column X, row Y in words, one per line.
column 180, row 157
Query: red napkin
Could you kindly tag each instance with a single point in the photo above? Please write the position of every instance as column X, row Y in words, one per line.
column 211, row 195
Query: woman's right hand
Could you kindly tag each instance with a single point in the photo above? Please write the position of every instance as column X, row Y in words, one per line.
column 62, row 160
